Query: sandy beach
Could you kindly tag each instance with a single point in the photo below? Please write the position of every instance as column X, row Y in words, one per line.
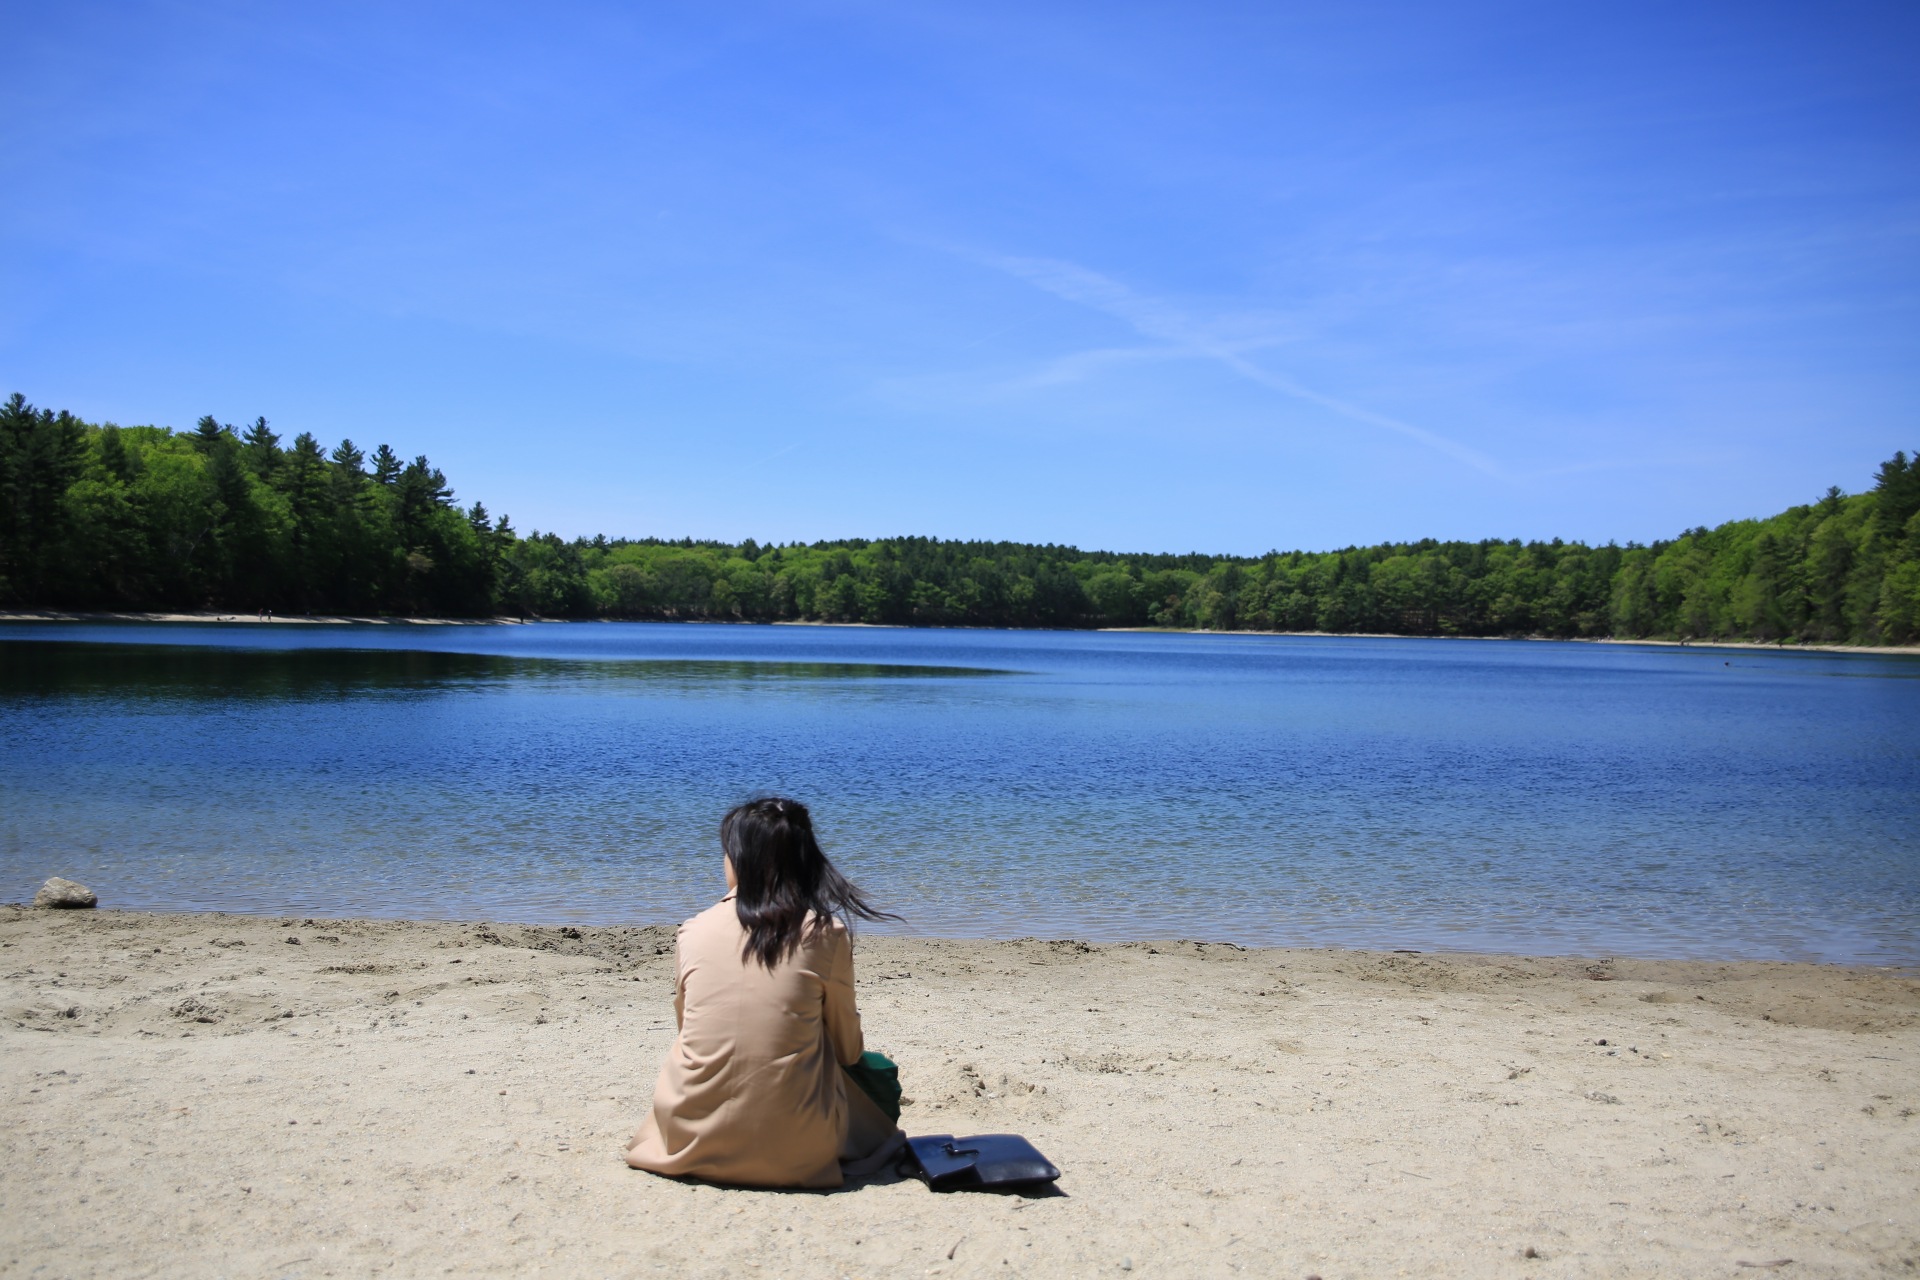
column 228, row 1095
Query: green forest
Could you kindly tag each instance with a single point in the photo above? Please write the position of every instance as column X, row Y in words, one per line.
column 236, row 520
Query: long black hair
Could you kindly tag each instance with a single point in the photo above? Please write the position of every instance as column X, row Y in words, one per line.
column 783, row 878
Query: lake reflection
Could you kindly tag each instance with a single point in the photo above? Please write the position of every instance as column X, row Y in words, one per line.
column 135, row 671
column 1509, row 796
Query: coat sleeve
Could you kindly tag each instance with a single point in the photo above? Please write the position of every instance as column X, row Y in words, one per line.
column 842, row 1017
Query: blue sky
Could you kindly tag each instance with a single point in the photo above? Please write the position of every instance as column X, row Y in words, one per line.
column 1145, row 277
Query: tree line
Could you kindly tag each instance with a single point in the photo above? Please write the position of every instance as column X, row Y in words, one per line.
column 220, row 518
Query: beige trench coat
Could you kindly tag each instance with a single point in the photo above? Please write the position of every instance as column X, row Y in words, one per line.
column 751, row 1092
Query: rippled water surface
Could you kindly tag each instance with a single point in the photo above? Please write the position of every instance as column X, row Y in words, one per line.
column 1503, row 796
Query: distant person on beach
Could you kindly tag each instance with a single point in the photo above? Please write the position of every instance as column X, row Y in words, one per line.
column 752, row 1091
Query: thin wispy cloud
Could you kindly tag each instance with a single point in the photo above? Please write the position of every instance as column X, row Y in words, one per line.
column 1152, row 318
column 1001, row 332
column 1081, row 365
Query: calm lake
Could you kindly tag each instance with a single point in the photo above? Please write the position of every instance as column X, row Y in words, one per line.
column 1517, row 797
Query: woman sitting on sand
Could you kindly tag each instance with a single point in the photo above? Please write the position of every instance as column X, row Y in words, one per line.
column 752, row 1091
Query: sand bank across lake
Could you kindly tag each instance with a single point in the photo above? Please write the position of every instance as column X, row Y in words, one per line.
column 294, row 619
column 227, row 1095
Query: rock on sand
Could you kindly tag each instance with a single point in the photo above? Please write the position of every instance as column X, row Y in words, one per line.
column 57, row 892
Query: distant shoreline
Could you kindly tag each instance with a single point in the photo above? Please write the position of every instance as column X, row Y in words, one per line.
column 1907, row 650
column 298, row 619
column 63, row 615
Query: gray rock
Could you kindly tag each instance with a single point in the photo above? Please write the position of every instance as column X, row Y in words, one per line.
column 64, row 893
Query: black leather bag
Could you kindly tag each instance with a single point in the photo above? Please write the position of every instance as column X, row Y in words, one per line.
column 983, row 1161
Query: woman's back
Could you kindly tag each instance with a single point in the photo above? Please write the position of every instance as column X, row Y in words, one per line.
column 752, row 1091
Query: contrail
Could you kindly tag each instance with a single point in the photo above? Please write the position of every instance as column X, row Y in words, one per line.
column 1076, row 284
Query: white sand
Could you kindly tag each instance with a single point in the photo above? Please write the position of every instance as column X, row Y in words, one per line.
column 194, row 1095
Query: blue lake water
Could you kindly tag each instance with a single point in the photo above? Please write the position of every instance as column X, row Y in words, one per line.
column 1471, row 795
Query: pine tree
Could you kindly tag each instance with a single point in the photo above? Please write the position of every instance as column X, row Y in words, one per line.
column 386, row 465
column 1896, row 496
column 41, row 454
column 115, row 457
column 346, row 458
column 208, row 435
column 262, row 450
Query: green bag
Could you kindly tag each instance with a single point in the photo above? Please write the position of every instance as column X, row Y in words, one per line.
column 879, row 1079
